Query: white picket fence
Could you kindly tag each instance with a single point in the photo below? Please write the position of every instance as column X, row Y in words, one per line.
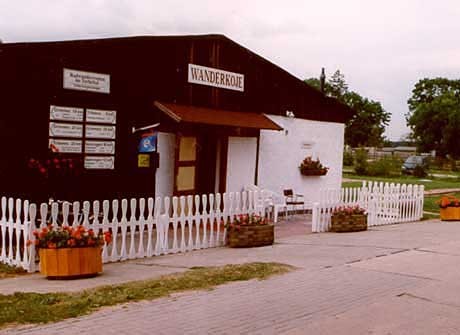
column 140, row 228
column 384, row 203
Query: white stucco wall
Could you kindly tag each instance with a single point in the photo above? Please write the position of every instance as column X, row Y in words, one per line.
column 164, row 180
column 241, row 163
column 281, row 152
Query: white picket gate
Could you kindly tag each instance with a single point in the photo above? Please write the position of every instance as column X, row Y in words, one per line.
column 385, row 203
column 140, row 227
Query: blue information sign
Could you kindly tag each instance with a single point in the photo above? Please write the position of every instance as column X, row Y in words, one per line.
column 148, row 144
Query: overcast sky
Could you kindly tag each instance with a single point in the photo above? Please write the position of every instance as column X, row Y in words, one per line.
column 382, row 47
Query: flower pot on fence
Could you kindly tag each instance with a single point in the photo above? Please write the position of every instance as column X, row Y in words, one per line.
column 251, row 236
column 450, row 214
column 322, row 172
column 348, row 223
column 70, row 262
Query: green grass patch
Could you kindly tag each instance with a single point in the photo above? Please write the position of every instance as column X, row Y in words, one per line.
column 24, row 308
column 7, row 271
column 352, row 184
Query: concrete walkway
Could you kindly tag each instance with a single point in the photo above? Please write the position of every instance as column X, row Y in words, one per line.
column 400, row 279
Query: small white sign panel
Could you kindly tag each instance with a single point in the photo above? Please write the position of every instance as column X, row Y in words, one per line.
column 106, row 132
column 100, row 162
column 101, row 116
column 100, row 147
column 209, row 76
column 66, row 113
column 86, row 81
column 65, row 146
column 65, row 130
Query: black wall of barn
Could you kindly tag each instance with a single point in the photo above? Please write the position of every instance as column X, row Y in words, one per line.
column 142, row 70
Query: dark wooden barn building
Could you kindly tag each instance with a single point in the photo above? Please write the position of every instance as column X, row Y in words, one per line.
column 62, row 92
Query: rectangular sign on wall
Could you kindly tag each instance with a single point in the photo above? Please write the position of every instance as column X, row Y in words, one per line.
column 86, row 81
column 65, row 130
column 99, row 162
column 101, row 116
column 66, row 113
column 209, row 76
column 143, row 160
column 100, row 147
column 106, row 132
column 65, row 146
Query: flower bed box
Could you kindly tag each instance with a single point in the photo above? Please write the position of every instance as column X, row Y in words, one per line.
column 348, row 223
column 251, row 236
column 70, row 262
column 313, row 172
column 450, row 213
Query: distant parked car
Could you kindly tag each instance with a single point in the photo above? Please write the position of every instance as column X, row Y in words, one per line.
column 414, row 164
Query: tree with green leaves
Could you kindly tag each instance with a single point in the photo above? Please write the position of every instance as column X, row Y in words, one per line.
column 367, row 126
column 434, row 116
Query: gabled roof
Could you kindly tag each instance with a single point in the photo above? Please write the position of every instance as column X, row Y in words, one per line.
column 333, row 109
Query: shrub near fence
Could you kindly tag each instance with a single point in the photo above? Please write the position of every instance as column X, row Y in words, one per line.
column 140, row 228
column 384, row 204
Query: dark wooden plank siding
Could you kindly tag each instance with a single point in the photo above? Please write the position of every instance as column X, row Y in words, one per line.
column 142, row 70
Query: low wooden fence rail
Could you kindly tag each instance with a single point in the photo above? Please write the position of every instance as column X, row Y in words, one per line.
column 384, row 203
column 140, row 227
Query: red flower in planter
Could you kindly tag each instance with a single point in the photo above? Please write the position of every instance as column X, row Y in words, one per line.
column 310, row 167
column 69, row 237
column 108, row 237
column 349, row 210
column 246, row 220
column 448, row 201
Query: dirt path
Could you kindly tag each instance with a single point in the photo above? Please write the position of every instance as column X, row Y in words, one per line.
column 442, row 191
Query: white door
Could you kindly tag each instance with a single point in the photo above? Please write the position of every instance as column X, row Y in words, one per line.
column 241, row 163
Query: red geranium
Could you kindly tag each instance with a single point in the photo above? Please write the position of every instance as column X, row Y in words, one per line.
column 69, row 237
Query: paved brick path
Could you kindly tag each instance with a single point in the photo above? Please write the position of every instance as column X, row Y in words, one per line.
column 399, row 279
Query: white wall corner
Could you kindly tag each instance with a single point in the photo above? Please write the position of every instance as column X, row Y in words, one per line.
column 281, row 152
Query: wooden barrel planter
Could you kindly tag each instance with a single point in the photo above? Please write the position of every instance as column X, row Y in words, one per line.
column 348, row 223
column 67, row 263
column 251, row 236
column 450, row 213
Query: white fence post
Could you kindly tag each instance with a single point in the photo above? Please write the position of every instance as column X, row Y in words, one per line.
column 169, row 226
column 385, row 203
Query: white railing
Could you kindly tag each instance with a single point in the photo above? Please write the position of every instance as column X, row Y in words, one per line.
column 140, row 228
column 384, row 203
column 15, row 230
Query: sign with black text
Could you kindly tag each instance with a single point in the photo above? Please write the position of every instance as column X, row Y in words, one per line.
column 60, row 113
column 65, row 146
column 65, row 130
column 99, row 162
column 209, row 76
column 86, row 81
column 100, row 147
column 101, row 116
column 106, row 132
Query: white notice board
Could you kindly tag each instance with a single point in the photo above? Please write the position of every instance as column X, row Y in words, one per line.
column 101, row 116
column 65, row 146
column 66, row 113
column 65, row 130
column 86, row 81
column 100, row 147
column 105, row 132
column 99, row 162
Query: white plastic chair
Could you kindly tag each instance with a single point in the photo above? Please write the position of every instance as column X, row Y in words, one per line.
column 276, row 203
